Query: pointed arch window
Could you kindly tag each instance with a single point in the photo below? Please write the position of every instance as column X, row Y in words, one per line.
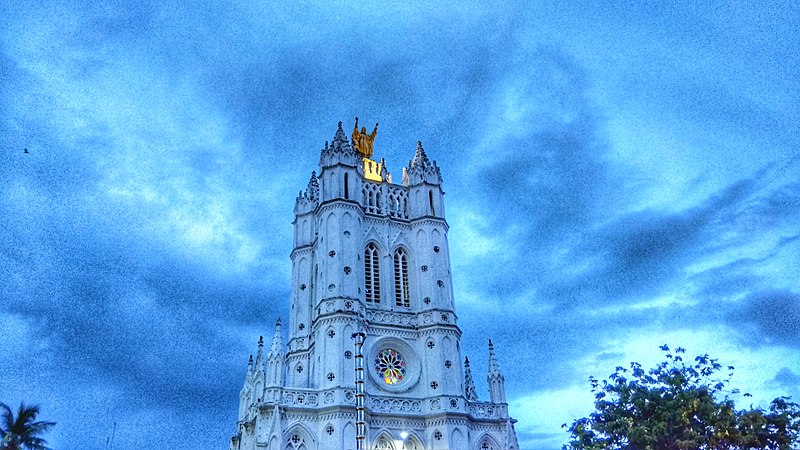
column 412, row 444
column 384, row 444
column 401, row 278
column 372, row 276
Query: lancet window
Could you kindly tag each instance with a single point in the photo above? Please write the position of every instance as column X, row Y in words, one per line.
column 401, row 294
column 372, row 276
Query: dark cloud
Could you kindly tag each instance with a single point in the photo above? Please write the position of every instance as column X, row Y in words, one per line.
column 115, row 304
column 550, row 169
column 787, row 379
column 767, row 318
column 636, row 254
column 540, row 166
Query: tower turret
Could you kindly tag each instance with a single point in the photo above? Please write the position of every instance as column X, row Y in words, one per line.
column 258, row 374
column 338, row 163
column 425, row 183
column 247, row 390
column 339, row 151
column 307, row 201
column 275, row 359
column 469, row 384
column 305, row 236
column 259, row 355
column 497, row 390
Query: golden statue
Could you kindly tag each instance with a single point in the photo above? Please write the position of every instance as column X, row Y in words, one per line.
column 363, row 141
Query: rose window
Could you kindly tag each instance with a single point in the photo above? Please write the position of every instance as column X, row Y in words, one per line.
column 390, row 365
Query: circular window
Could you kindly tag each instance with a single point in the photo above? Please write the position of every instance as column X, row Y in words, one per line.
column 390, row 366
column 394, row 364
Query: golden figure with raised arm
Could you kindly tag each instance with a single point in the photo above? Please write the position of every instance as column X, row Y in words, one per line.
column 362, row 141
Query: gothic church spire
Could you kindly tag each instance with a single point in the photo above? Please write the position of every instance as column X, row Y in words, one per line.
column 497, row 390
column 312, row 191
column 422, row 170
column 277, row 342
column 259, row 363
column 339, row 152
column 469, row 383
column 275, row 358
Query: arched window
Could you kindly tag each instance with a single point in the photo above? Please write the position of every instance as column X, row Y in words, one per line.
column 430, row 201
column 372, row 276
column 401, row 278
column 346, row 187
column 384, row 444
column 411, row 444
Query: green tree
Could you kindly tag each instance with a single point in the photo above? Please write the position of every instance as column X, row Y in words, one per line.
column 680, row 405
column 23, row 431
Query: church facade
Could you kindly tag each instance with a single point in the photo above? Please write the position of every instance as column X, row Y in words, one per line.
column 370, row 263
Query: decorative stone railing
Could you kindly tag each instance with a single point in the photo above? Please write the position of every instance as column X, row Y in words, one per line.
column 392, row 318
column 486, row 410
column 310, row 397
column 328, row 306
column 378, row 404
column 300, row 398
column 480, row 410
column 394, row 405
column 438, row 317
column 429, row 317
column 385, row 200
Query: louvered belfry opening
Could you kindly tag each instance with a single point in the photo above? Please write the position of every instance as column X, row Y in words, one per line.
column 372, row 278
column 401, row 278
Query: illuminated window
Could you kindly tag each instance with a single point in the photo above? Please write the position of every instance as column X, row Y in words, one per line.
column 401, row 278
column 372, row 277
column 390, row 366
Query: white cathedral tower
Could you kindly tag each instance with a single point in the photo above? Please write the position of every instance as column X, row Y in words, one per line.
column 370, row 256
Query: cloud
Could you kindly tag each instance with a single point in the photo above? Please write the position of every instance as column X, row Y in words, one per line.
column 786, row 379
column 767, row 318
column 537, row 165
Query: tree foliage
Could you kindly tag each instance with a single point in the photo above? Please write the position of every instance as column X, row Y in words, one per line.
column 680, row 405
column 23, row 431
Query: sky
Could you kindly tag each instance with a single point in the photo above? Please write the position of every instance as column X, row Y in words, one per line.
column 619, row 176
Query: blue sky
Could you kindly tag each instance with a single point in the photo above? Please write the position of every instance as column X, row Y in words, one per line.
column 618, row 176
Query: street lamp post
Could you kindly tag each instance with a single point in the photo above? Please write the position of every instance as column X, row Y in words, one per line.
column 359, row 377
